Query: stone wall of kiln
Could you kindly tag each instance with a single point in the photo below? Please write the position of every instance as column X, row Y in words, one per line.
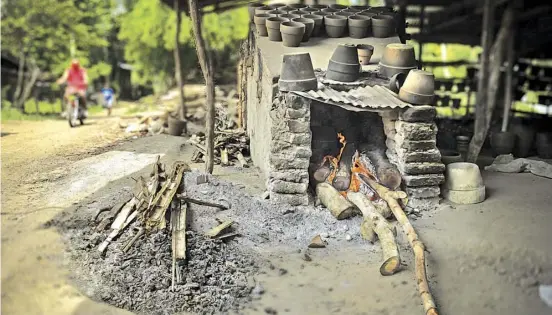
column 411, row 146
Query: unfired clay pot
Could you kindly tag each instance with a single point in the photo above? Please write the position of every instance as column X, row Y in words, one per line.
column 396, row 82
column 299, row 12
column 365, row 53
column 292, row 33
column 344, row 65
column 343, row 13
column 260, row 23
column 297, row 6
column 337, row 6
column 419, row 88
column 359, row 8
column 309, row 27
column 276, row 6
column 289, row 16
column 251, row 9
column 330, row 10
column 310, row 10
column 318, row 6
column 359, row 26
column 318, row 22
column 335, row 25
column 398, row 55
column 351, row 10
column 276, row 12
column 383, row 26
column 297, row 73
column 262, row 10
column 273, row 28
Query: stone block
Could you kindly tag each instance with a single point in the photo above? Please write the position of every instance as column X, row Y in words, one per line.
column 286, row 162
column 391, row 144
column 296, row 113
column 300, row 152
column 422, row 168
column 296, row 102
column 292, row 138
column 297, row 126
column 290, row 199
column 296, row 176
column 422, row 204
column 389, row 114
column 408, row 145
column 423, row 113
column 423, row 192
column 423, row 180
column 416, row 131
column 283, row 187
column 419, row 156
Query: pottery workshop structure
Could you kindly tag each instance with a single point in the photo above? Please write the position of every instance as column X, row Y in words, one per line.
column 287, row 130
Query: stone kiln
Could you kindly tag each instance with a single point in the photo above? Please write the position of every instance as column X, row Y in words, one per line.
column 291, row 132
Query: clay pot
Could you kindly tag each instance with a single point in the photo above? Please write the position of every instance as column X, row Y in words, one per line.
column 286, row 9
column 260, row 23
column 330, row 10
column 364, row 53
column 337, row 6
column 297, row 6
column 276, row 6
column 396, row 82
column 418, row 87
column 398, row 55
column 503, row 142
column 388, row 71
column 462, row 145
column 351, row 10
column 345, row 14
column 335, row 25
column 292, row 33
column 299, row 12
column 359, row 26
column 309, row 27
column 297, row 73
column 381, row 9
column 359, row 8
column 310, row 10
column 318, row 21
column 524, row 140
column 273, row 28
column 262, row 10
column 450, row 156
column 464, row 184
column 251, row 8
column 544, row 145
column 289, row 16
column 367, row 13
column 318, row 6
column 383, row 26
column 276, row 12
column 344, row 65
column 176, row 126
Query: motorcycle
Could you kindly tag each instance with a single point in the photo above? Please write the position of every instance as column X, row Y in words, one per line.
column 75, row 110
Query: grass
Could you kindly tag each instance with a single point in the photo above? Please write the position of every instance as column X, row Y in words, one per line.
column 39, row 111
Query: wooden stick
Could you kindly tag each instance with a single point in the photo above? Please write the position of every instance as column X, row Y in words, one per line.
column 241, row 159
column 338, row 205
column 129, row 244
column 417, row 246
column 110, row 216
column 205, row 203
column 391, row 259
column 224, row 157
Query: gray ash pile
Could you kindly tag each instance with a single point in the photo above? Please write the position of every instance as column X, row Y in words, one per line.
column 216, row 278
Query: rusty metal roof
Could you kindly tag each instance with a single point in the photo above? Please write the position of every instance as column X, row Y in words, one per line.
column 363, row 98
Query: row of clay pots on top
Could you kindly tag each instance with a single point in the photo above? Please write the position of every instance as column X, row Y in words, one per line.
column 290, row 30
column 359, row 23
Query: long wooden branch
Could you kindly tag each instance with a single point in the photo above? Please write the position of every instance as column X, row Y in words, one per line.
column 417, row 246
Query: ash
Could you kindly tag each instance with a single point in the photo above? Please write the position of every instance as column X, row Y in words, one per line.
column 218, row 276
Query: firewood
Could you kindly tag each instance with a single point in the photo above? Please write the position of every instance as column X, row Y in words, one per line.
column 417, row 246
column 214, row 232
column 203, row 203
column 179, row 236
column 133, row 240
column 322, row 171
column 342, row 178
column 110, row 216
column 241, row 159
column 387, row 173
column 116, row 232
column 224, row 157
column 391, row 259
column 338, row 205
column 123, row 215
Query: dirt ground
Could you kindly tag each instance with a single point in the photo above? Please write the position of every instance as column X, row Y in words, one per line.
column 483, row 259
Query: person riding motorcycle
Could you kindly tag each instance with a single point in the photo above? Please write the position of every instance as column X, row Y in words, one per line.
column 77, row 81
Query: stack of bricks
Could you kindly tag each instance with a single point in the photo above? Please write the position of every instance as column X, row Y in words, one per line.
column 290, row 150
column 411, row 146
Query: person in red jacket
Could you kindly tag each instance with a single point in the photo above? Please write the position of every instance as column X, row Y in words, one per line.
column 77, row 81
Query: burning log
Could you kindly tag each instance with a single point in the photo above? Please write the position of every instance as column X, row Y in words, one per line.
column 338, row 205
column 387, row 173
column 383, row 229
column 342, row 179
column 417, row 246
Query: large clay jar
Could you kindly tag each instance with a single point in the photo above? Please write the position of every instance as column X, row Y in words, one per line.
column 525, row 139
column 418, row 88
column 262, row 10
column 335, row 25
column 383, row 26
column 503, row 142
column 344, row 65
column 297, row 73
column 292, row 33
column 252, row 7
column 309, row 27
column 273, row 28
column 365, row 52
column 318, row 6
column 318, row 21
column 260, row 23
column 359, row 26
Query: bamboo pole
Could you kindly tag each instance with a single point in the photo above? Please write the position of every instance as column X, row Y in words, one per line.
column 178, row 64
column 508, row 82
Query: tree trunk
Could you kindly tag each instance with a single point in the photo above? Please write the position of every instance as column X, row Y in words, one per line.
column 28, row 86
column 210, row 84
column 177, row 63
column 19, row 85
column 496, row 58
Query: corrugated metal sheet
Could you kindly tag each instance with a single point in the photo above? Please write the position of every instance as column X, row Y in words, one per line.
column 364, row 98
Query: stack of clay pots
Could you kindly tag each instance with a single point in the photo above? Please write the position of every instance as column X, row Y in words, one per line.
column 334, row 20
column 463, row 183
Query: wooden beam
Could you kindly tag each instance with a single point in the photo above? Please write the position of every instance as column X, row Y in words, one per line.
column 421, row 43
column 458, row 14
column 458, row 38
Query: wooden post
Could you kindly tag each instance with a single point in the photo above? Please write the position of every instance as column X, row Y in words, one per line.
column 481, row 103
column 421, row 43
column 206, row 68
column 177, row 63
column 508, row 82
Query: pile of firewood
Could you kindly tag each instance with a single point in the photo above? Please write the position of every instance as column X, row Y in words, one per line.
column 231, row 145
column 158, row 203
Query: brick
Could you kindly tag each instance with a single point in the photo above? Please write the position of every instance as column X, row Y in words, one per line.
column 419, row 156
column 293, row 152
column 423, row 180
column 283, row 187
column 290, row 199
column 422, row 204
column 285, row 162
column 423, row 113
column 422, row 168
column 296, row 176
column 413, row 146
column 423, row 192
column 389, row 114
column 416, row 131
column 297, row 126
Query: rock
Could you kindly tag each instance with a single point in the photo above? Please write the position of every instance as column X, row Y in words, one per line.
column 288, row 211
column 265, row 195
column 545, row 293
column 416, row 131
column 528, row 282
column 295, row 114
column 432, row 155
column 417, row 205
column 290, row 199
column 348, row 237
column 297, row 126
column 202, row 179
column 423, row 113
column 296, row 176
column 423, row 180
column 282, row 187
column 270, row 310
column 306, row 257
column 258, row 290
column 324, row 235
column 282, row 271
column 422, row 168
column 317, row 242
column 285, row 162
column 389, row 114
column 423, row 192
